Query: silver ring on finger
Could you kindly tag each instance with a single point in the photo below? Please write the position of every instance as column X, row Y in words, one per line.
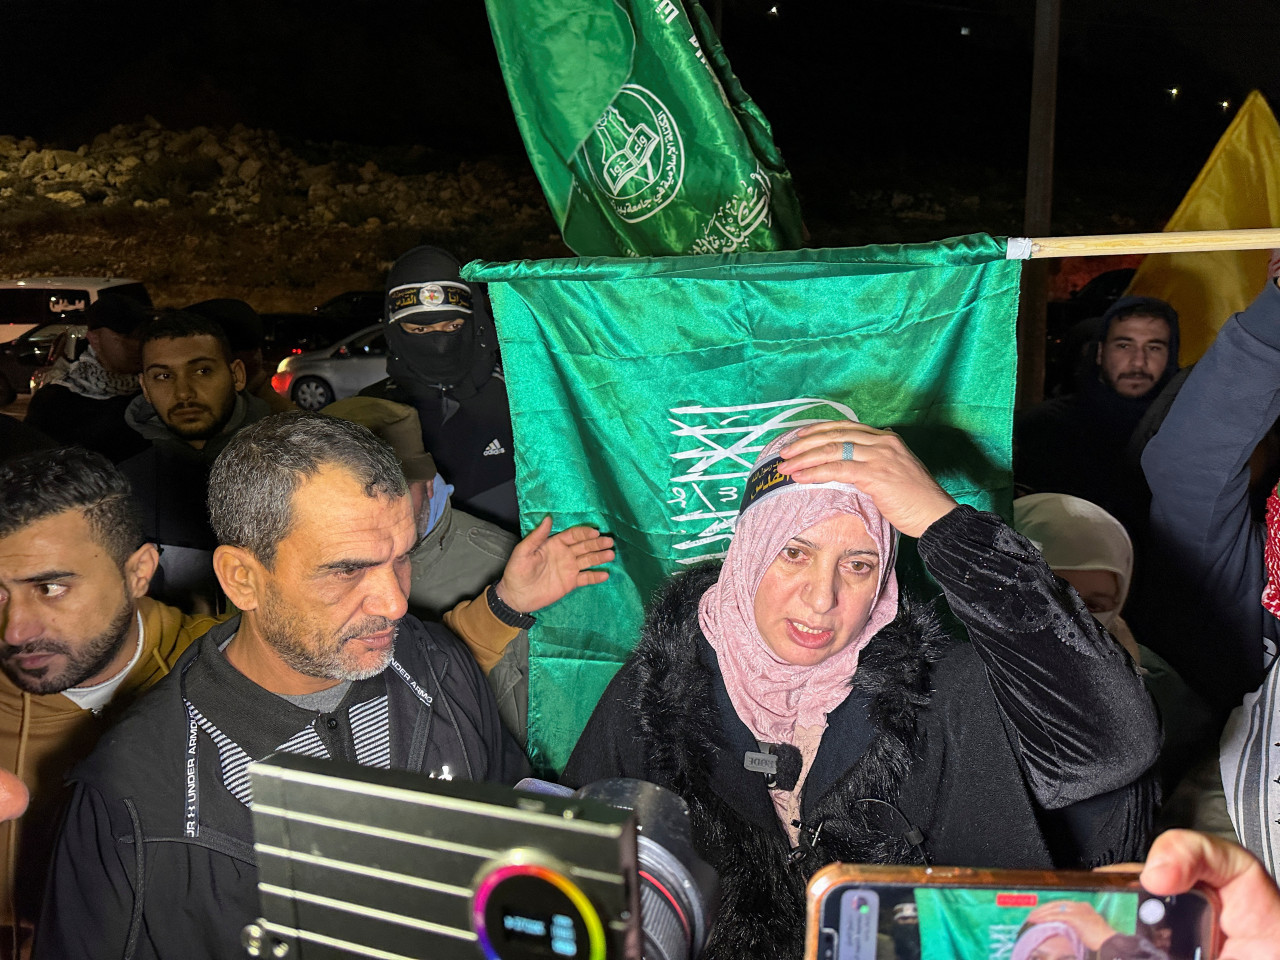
column 846, row 452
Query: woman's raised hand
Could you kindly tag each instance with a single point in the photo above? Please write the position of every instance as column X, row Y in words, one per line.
column 878, row 463
column 1089, row 925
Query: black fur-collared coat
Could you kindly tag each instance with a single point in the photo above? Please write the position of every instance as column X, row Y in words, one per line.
column 1025, row 747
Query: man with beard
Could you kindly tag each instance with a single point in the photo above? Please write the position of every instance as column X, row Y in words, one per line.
column 443, row 361
column 315, row 527
column 80, row 641
column 1078, row 444
column 192, row 403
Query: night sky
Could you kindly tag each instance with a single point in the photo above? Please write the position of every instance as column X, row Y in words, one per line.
column 877, row 91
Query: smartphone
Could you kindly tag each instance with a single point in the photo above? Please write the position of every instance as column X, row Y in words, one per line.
column 858, row 912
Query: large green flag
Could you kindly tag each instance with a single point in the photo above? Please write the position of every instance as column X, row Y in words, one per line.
column 641, row 391
column 642, row 137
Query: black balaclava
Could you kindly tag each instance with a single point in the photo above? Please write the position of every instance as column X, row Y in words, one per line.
column 424, row 287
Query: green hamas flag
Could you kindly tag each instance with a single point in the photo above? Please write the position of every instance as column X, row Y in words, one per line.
column 642, row 137
column 641, row 391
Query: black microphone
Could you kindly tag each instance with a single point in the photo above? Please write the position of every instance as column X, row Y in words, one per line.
column 779, row 762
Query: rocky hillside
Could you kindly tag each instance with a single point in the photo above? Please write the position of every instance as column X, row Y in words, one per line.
column 286, row 224
column 238, row 212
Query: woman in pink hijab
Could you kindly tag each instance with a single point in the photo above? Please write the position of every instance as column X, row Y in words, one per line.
column 810, row 713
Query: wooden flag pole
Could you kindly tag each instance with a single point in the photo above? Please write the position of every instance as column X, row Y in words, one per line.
column 1187, row 241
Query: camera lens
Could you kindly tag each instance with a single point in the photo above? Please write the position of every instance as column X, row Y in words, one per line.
column 679, row 892
column 668, row 915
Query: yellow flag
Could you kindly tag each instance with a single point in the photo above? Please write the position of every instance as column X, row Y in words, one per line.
column 1238, row 189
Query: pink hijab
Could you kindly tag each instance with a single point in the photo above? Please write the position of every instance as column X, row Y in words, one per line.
column 1034, row 936
column 771, row 696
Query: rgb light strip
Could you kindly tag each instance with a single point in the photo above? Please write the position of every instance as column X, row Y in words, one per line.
column 595, row 929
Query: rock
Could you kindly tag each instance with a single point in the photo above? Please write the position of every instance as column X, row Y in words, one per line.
column 36, row 162
column 249, row 169
column 151, row 156
column 182, row 143
column 69, row 197
column 321, row 174
column 9, row 147
column 209, row 147
column 128, row 163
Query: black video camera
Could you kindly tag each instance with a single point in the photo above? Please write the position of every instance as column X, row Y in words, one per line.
column 358, row 862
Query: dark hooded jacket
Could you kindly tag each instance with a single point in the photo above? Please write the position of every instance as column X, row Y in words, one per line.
column 170, row 483
column 1025, row 748
column 1080, row 444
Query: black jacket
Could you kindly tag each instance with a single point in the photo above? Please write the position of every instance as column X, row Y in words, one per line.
column 469, row 435
column 1079, row 445
column 1024, row 748
column 156, row 854
column 77, row 420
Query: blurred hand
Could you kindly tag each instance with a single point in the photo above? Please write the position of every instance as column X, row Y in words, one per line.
column 1088, row 924
column 882, row 467
column 13, row 796
column 543, row 568
column 1250, row 916
column 1273, row 265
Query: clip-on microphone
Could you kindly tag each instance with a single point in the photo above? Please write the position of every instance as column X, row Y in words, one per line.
column 779, row 762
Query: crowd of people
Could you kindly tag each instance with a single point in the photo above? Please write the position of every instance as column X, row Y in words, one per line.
column 194, row 577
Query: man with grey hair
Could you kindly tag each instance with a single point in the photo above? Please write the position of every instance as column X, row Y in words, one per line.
column 315, row 530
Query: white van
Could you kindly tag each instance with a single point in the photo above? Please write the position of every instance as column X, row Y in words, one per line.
column 35, row 313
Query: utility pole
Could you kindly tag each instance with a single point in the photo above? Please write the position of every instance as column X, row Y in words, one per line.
column 1039, row 204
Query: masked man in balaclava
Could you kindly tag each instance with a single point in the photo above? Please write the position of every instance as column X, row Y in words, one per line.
column 443, row 361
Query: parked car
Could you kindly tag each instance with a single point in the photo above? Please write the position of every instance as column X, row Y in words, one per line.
column 313, row 380
column 36, row 311
column 66, row 350
column 363, row 305
column 290, row 334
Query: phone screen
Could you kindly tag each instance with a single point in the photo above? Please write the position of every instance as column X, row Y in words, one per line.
column 905, row 922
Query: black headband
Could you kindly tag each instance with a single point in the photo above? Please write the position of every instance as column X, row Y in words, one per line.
column 764, row 479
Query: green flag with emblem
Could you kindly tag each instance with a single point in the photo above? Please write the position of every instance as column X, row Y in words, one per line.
column 642, row 137
column 642, row 389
